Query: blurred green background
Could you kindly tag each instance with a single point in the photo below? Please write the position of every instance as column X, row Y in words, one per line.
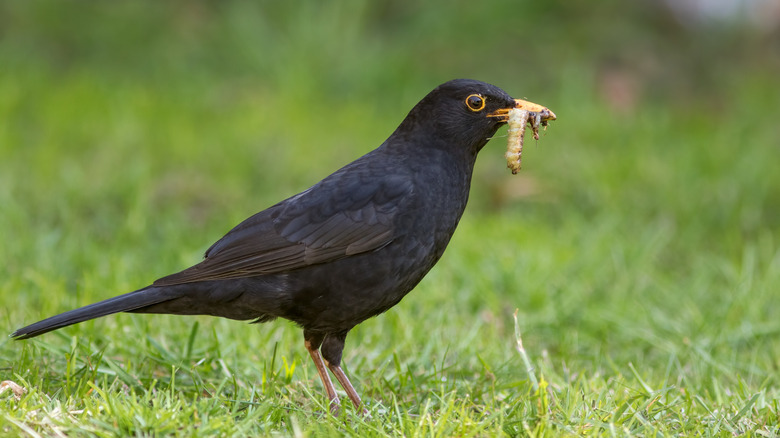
column 643, row 230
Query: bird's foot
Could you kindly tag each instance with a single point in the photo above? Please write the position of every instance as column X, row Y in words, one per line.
column 335, row 407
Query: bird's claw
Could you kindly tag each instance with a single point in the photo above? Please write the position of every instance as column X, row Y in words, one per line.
column 335, row 407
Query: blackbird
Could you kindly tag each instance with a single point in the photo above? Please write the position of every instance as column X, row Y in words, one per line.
column 346, row 249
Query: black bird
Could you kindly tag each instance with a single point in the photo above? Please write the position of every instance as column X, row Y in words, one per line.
column 348, row 248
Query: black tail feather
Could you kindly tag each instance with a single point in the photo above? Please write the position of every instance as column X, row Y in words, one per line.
column 123, row 303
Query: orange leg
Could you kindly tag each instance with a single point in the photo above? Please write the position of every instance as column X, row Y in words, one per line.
column 347, row 385
column 314, row 352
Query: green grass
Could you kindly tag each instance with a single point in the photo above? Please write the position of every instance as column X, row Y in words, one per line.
column 641, row 247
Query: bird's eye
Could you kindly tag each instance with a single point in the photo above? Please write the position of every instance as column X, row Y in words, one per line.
column 475, row 102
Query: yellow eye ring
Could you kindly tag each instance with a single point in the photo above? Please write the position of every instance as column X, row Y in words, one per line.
column 475, row 102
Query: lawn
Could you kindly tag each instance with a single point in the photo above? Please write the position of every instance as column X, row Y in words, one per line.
column 636, row 255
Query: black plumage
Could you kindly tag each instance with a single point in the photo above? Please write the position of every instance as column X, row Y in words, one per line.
column 346, row 249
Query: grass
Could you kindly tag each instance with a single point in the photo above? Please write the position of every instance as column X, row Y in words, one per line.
column 640, row 246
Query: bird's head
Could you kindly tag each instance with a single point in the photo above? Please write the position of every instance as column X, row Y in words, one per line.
column 465, row 112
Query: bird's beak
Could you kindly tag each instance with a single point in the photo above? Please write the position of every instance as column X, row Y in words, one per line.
column 534, row 108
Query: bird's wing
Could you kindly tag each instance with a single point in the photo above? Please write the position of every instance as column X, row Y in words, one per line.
column 348, row 213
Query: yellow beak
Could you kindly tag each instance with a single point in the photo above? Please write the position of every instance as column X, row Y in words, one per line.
column 534, row 108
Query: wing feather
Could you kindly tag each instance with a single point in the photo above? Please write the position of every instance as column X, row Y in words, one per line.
column 351, row 212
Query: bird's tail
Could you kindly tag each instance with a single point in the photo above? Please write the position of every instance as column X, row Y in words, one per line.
column 123, row 303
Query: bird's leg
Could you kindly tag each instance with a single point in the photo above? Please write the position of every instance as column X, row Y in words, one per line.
column 345, row 383
column 332, row 348
column 313, row 342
